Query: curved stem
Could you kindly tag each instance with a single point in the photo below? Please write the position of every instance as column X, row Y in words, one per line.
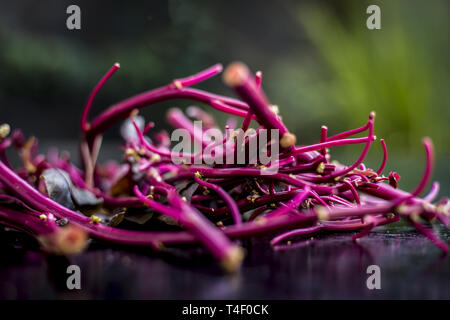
column 234, row 209
column 296, row 233
column 84, row 118
column 383, row 164
column 123, row 109
column 428, row 167
column 433, row 192
column 361, row 157
column 334, row 143
column 198, row 77
column 220, row 246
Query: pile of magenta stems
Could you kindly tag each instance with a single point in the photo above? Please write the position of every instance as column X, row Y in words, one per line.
column 308, row 195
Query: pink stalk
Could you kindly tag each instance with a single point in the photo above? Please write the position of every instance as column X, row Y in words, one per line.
column 68, row 240
column 177, row 119
column 423, row 182
column 238, row 76
column 6, row 143
column 231, row 258
column 338, row 200
column 241, row 172
column 207, row 120
column 354, row 192
column 258, row 79
column 88, row 163
column 226, row 108
column 433, row 192
column 327, row 189
column 123, row 109
column 228, row 254
column 246, row 230
column 148, row 127
column 32, row 197
column 363, row 154
column 87, row 108
column 260, row 188
column 323, row 138
column 3, row 146
column 257, row 213
column 383, row 164
column 198, row 77
column 428, row 168
column 286, row 161
column 234, row 209
column 247, row 121
column 296, row 233
column 30, row 223
column 291, row 205
column 334, row 143
column 153, row 149
column 248, row 204
column 370, row 223
column 344, row 225
column 169, row 154
column 10, row 198
column 348, row 133
column 179, row 237
column 429, row 234
column 319, row 199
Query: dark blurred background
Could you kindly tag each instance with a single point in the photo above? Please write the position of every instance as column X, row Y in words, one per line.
column 321, row 66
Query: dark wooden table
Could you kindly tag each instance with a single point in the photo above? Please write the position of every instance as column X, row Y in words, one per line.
column 330, row 267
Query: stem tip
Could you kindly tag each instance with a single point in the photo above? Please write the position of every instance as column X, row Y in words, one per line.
column 235, row 74
column 288, row 140
column 233, row 259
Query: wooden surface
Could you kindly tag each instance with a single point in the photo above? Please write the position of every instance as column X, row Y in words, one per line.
column 330, row 267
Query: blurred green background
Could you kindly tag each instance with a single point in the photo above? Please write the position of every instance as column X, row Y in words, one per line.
column 321, row 66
